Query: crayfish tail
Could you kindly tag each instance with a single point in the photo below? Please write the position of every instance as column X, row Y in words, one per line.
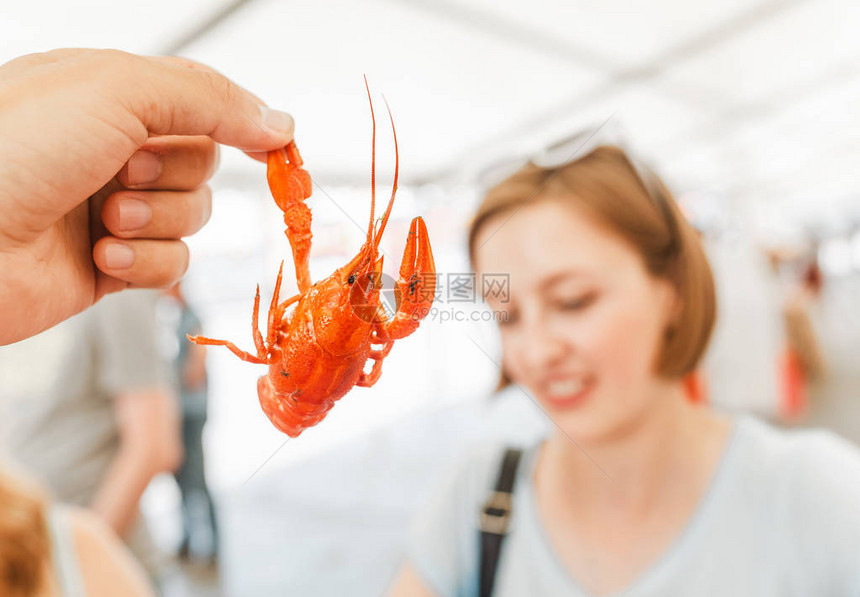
column 289, row 416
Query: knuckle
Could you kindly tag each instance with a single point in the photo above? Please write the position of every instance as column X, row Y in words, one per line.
column 109, row 62
column 114, row 73
column 220, row 87
column 231, row 92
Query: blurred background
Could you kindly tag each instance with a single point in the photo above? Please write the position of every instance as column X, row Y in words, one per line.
column 748, row 109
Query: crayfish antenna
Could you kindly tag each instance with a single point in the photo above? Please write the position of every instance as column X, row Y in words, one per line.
column 396, row 173
column 372, row 167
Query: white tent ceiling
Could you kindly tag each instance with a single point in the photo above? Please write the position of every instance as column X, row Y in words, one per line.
column 752, row 102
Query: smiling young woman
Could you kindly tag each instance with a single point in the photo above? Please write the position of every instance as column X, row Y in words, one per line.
column 637, row 492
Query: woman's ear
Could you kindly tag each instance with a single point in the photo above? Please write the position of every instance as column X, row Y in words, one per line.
column 672, row 306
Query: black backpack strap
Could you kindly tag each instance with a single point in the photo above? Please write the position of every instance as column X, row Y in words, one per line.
column 495, row 515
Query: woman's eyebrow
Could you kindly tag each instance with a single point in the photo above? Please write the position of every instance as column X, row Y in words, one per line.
column 561, row 276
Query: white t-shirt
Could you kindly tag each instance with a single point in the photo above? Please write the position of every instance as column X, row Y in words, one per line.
column 781, row 517
column 57, row 391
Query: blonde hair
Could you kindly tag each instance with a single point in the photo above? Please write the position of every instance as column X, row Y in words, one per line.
column 25, row 548
column 640, row 209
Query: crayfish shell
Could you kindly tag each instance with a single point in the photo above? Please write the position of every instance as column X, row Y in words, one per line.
column 288, row 415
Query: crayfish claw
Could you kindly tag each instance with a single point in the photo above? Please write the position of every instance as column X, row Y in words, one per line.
column 416, row 288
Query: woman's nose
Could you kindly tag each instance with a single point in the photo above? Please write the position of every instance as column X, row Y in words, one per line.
column 541, row 345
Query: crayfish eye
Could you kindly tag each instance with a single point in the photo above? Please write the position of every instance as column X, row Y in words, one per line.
column 351, row 279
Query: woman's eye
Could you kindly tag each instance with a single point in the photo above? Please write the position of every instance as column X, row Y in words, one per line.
column 577, row 304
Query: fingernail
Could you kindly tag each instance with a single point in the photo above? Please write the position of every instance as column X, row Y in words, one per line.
column 118, row 256
column 277, row 120
column 143, row 167
column 134, row 214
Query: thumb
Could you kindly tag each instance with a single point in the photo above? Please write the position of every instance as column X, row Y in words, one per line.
column 260, row 156
column 186, row 98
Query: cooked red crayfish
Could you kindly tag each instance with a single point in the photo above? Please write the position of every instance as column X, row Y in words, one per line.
column 318, row 352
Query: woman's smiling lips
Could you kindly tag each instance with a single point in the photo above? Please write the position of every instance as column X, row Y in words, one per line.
column 560, row 393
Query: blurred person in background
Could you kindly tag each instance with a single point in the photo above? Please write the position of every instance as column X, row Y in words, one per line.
column 199, row 521
column 823, row 328
column 51, row 550
column 638, row 490
column 803, row 364
column 89, row 412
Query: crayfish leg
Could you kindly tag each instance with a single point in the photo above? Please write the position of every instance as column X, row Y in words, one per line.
column 382, row 352
column 245, row 356
column 283, row 306
column 271, row 329
column 368, row 379
column 276, row 310
column 255, row 326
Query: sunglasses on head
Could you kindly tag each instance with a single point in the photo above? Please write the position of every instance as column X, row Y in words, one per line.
column 572, row 148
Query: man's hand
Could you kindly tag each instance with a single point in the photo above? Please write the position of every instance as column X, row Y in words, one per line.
column 103, row 162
